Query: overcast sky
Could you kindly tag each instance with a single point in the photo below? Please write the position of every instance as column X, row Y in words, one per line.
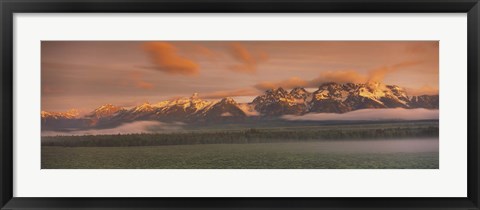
column 87, row 74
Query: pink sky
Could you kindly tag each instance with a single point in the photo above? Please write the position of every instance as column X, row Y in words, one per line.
column 87, row 74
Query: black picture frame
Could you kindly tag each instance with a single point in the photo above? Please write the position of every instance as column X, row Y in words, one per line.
column 10, row 7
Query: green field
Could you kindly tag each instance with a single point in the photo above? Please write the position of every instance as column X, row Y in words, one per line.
column 383, row 146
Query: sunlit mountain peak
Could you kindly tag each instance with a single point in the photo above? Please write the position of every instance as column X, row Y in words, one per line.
column 70, row 114
column 194, row 102
column 162, row 103
column 106, row 107
column 145, row 107
column 328, row 98
column 73, row 112
column 105, row 111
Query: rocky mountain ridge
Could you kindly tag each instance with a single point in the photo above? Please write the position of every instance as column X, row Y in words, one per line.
column 328, row 98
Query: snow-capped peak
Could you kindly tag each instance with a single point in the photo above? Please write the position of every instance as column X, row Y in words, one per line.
column 70, row 114
column 299, row 93
column 145, row 107
column 193, row 103
column 380, row 92
column 105, row 111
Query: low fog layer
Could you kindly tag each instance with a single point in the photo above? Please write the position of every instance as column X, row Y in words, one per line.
column 367, row 146
column 127, row 128
column 371, row 114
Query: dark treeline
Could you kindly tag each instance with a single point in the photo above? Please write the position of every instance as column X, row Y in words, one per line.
column 241, row 136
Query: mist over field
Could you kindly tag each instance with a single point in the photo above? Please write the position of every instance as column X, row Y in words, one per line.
column 373, row 146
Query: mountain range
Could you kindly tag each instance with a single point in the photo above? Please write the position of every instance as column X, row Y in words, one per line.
column 328, row 98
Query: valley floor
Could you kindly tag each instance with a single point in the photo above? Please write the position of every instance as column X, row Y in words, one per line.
column 379, row 154
column 393, row 145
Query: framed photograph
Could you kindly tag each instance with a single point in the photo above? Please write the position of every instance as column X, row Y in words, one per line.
column 239, row 105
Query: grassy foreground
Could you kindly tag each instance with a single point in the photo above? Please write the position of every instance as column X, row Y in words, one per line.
column 305, row 155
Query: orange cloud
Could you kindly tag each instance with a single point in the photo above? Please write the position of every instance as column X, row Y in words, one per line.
column 144, row 85
column 200, row 50
column 341, row 76
column 377, row 75
column 138, row 81
column 230, row 93
column 248, row 60
column 166, row 59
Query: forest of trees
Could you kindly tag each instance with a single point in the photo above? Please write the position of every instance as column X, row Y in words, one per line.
column 245, row 136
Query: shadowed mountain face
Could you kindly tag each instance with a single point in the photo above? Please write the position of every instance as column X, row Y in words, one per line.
column 279, row 102
column 329, row 98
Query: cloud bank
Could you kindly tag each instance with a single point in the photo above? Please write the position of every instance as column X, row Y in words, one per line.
column 347, row 76
column 248, row 61
column 344, row 76
column 127, row 128
column 371, row 115
column 166, row 59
